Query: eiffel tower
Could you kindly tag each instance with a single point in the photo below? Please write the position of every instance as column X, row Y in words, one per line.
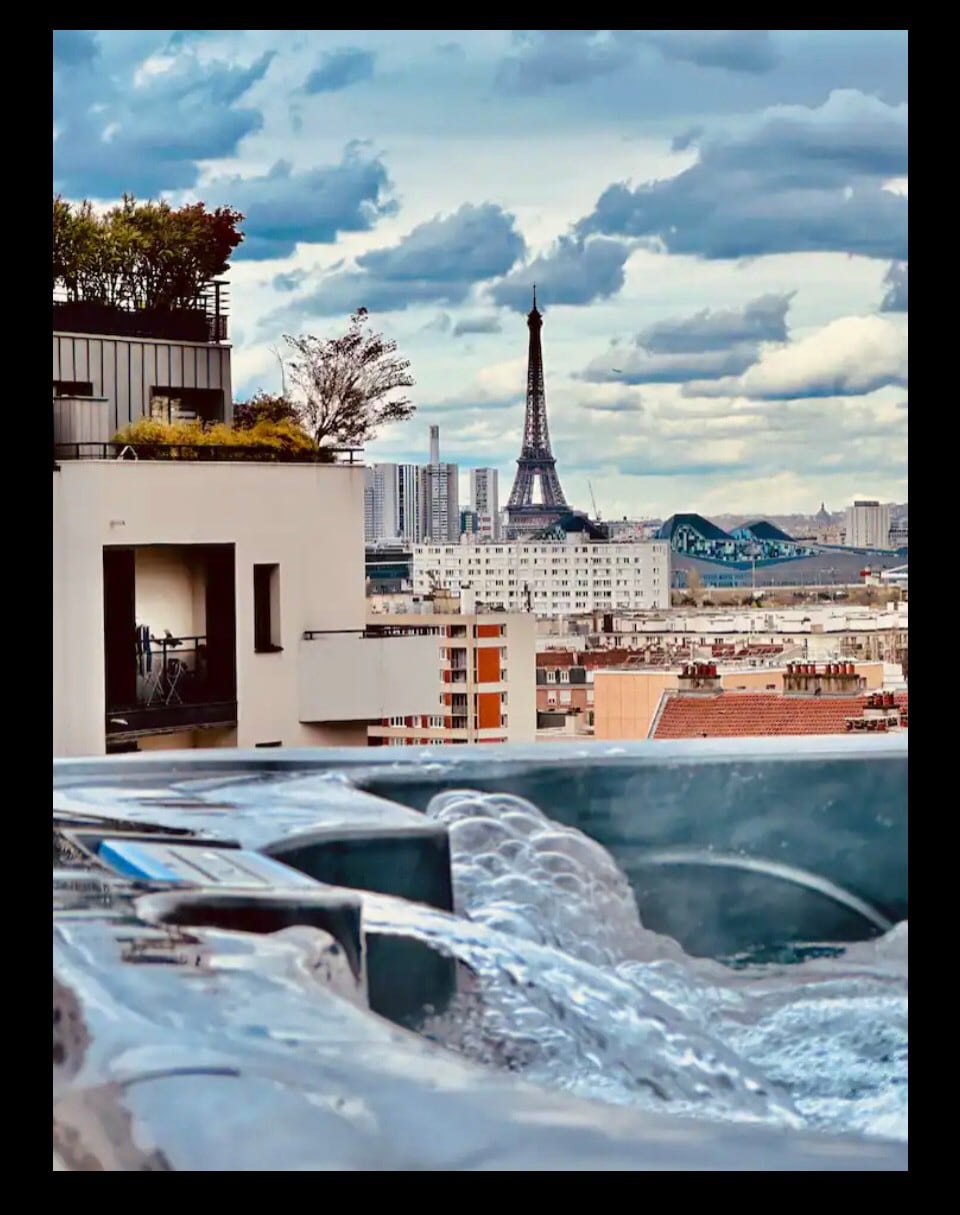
column 536, row 461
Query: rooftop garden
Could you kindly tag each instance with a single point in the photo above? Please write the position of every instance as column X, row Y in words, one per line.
column 251, row 438
column 143, row 269
column 141, row 256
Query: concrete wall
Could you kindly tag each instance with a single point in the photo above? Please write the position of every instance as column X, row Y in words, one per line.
column 343, row 678
column 521, row 663
column 625, row 702
column 170, row 586
column 307, row 519
column 123, row 370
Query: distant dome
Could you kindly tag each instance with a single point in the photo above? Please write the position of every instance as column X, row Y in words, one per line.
column 823, row 516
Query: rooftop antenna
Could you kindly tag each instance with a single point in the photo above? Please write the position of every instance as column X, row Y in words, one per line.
column 534, row 297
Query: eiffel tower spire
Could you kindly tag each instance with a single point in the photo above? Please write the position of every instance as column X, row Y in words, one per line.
column 536, row 457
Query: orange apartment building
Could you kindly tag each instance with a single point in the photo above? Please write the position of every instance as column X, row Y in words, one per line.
column 486, row 671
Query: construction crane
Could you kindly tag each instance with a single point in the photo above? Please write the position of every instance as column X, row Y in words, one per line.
column 596, row 513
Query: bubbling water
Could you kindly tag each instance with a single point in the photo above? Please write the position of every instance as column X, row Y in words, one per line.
column 565, row 986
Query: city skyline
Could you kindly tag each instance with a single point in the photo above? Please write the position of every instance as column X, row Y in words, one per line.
column 700, row 354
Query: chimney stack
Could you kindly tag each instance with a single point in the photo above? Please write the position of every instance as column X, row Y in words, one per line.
column 434, row 445
column 832, row 679
column 700, row 677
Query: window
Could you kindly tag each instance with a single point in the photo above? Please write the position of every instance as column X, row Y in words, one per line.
column 187, row 404
column 72, row 388
column 266, row 609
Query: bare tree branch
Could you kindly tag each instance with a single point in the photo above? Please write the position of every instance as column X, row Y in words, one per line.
column 347, row 385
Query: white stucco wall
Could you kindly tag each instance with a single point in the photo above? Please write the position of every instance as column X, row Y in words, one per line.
column 306, row 518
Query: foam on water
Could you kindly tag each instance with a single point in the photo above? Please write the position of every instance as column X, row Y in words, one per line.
column 565, row 986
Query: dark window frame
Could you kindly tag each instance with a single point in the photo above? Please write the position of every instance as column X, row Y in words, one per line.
column 72, row 388
column 168, row 403
column 265, row 624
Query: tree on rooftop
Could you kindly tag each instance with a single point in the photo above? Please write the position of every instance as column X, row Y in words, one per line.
column 349, row 385
column 264, row 407
column 144, row 255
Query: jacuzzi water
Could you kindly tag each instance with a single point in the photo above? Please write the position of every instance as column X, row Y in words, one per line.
column 562, row 984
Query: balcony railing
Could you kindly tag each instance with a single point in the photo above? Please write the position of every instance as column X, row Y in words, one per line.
column 204, row 321
column 213, row 453
column 173, row 691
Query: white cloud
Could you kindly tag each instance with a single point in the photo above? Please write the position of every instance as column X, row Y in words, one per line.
column 848, row 357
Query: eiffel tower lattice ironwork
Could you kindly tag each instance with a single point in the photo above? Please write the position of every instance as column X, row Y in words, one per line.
column 536, row 458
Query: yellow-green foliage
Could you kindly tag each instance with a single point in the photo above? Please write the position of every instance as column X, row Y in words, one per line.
column 286, row 437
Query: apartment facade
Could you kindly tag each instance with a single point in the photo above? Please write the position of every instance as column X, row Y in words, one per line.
column 391, row 504
column 202, row 603
column 565, row 679
column 550, row 578
column 485, row 502
column 868, row 525
column 817, row 632
column 440, row 503
column 187, row 616
column 112, row 367
column 483, row 671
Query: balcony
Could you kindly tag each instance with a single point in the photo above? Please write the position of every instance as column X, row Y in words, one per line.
column 174, row 691
column 363, row 675
column 205, row 322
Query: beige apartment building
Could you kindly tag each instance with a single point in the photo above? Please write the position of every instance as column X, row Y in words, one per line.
column 204, row 603
column 628, row 699
column 483, row 676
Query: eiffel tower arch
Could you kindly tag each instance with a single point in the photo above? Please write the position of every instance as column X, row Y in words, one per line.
column 536, row 462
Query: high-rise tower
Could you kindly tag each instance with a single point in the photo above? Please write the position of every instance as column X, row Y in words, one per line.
column 439, row 497
column 536, row 462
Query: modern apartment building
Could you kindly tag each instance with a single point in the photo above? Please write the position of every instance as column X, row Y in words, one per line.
column 484, row 673
column 485, row 502
column 868, row 525
column 550, row 578
column 391, row 504
column 202, row 603
column 111, row 367
column 439, row 497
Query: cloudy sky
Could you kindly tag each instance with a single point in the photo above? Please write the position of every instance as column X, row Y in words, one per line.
column 716, row 221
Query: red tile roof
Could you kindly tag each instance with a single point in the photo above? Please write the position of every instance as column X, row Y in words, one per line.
column 590, row 659
column 754, row 714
